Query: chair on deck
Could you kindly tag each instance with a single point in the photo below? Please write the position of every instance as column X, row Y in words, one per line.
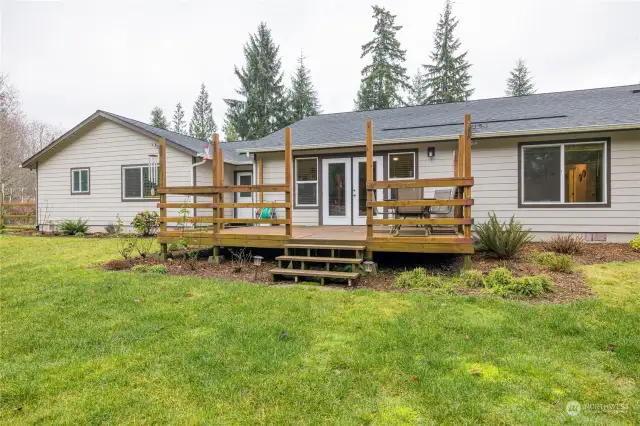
column 441, row 194
column 404, row 212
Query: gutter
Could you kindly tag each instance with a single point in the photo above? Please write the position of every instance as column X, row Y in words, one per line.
column 446, row 138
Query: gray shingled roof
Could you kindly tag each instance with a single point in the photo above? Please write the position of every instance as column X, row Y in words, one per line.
column 560, row 110
column 196, row 145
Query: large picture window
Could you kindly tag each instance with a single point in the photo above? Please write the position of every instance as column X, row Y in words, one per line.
column 136, row 183
column 307, row 182
column 80, row 181
column 567, row 173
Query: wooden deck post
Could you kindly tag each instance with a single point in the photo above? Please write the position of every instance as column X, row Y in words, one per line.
column 288, row 158
column 162, row 183
column 261, row 178
column 220, row 183
column 467, row 189
column 215, row 142
column 369, row 150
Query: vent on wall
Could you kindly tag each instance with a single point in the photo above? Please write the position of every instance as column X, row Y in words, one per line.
column 635, row 91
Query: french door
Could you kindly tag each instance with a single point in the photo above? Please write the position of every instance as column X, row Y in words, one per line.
column 336, row 192
column 360, row 188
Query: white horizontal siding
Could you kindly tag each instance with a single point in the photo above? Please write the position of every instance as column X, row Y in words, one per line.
column 104, row 148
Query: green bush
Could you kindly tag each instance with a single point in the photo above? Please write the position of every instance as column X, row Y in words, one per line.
column 502, row 282
column 79, row 234
column 555, row 262
column 145, row 223
column 418, row 278
column 635, row 243
column 472, row 278
column 565, row 244
column 151, row 269
column 73, row 227
column 503, row 239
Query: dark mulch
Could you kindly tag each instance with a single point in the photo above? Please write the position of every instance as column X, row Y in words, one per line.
column 568, row 286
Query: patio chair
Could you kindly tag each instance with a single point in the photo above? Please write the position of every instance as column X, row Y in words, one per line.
column 440, row 194
column 404, row 212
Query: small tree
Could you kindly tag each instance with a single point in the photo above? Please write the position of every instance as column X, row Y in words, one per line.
column 157, row 118
column 303, row 97
column 202, row 124
column 179, row 124
column 520, row 83
column 418, row 90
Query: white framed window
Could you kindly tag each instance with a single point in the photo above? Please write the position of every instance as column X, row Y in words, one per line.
column 136, row 183
column 80, row 181
column 307, row 182
column 573, row 173
column 402, row 165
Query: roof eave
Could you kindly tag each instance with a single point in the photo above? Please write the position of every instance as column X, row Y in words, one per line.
column 453, row 137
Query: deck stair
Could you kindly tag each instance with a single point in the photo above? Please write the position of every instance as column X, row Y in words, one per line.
column 320, row 260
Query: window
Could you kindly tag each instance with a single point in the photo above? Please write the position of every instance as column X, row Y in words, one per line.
column 306, row 182
column 564, row 173
column 136, row 183
column 245, row 179
column 402, row 165
column 80, row 181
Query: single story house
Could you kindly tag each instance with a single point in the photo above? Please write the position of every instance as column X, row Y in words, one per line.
column 565, row 162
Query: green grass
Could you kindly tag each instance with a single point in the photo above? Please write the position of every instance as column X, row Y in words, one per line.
column 79, row 345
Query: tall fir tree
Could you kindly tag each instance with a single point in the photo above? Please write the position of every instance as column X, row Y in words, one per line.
column 264, row 107
column 520, row 83
column 202, row 124
column 448, row 78
column 157, row 118
column 385, row 78
column 418, row 90
column 230, row 134
column 179, row 125
column 303, row 97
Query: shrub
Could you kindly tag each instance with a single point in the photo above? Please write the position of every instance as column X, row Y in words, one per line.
column 472, row 278
column 140, row 268
column 117, row 265
column 72, row 227
column 145, row 223
column 79, row 234
column 503, row 239
column 419, row 278
column 565, row 244
column 125, row 246
column 555, row 262
column 144, row 246
column 111, row 229
column 635, row 243
column 502, row 282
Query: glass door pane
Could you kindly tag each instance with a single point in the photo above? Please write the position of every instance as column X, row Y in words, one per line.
column 362, row 185
column 337, row 190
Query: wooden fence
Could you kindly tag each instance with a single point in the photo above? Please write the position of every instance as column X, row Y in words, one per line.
column 18, row 215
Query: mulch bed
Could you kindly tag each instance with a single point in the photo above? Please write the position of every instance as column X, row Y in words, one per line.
column 568, row 287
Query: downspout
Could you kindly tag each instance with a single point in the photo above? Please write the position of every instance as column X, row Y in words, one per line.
column 193, row 177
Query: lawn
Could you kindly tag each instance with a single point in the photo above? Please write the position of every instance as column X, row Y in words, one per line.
column 81, row 345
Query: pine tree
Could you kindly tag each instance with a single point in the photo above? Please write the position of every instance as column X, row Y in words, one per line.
column 179, row 124
column 448, row 78
column 264, row 108
column 520, row 83
column 230, row 134
column 303, row 97
column 385, row 77
column 158, row 119
column 202, row 124
column 418, row 90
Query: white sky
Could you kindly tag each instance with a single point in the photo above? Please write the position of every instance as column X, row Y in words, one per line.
column 69, row 58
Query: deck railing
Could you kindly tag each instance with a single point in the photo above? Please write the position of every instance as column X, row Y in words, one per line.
column 217, row 205
column 461, row 201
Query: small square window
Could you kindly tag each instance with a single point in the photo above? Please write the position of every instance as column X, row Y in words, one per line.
column 80, row 181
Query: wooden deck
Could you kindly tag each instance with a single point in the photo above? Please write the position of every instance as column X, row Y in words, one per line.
column 410, row 239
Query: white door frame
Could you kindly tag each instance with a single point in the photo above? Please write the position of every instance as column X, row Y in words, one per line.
column 243, row 212
column 362, row 220
column 336, row 220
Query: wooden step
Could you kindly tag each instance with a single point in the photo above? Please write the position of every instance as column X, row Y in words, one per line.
column 319, row 259
column 349, row 276
column 324, row 247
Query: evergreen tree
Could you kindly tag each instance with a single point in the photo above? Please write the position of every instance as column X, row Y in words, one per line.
column 520, row 83
column 264, row 107
column 385, row 77
column 303, row 97
column 202, row 124
column 158, row 119
column 448, row 78
column 179, row 124
column 418, row 90
column 230, row 134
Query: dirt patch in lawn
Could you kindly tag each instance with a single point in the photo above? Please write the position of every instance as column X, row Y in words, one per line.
column 568, row 286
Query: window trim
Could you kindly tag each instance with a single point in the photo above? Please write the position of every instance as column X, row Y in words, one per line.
column 317, row 182
column 127, row 199
column 80, row 169
column 389, row 154
column 606, row 141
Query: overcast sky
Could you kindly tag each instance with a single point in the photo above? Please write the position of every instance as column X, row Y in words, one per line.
column 69, row 58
